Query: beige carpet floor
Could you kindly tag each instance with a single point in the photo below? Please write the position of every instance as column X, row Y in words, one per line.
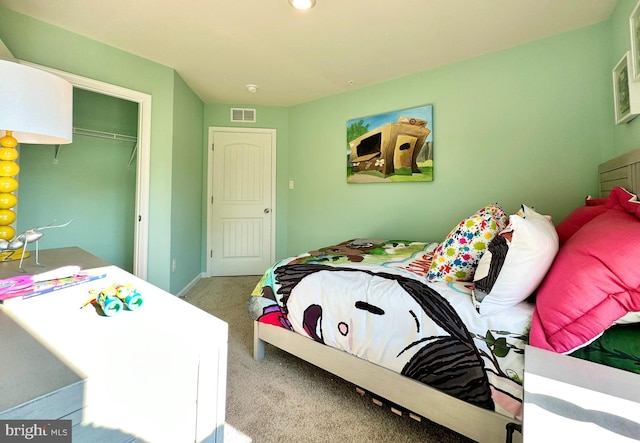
column 285, row 399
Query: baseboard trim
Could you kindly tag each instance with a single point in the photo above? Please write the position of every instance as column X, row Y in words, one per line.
column 190, row 285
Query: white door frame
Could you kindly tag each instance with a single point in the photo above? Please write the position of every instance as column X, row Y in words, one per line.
column 141, row 229
column 239, row 130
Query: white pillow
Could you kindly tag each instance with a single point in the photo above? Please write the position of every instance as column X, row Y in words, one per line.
column 512, row 269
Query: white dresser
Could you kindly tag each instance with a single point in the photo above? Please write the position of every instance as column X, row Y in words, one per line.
column 568, row 399
column 157, row 374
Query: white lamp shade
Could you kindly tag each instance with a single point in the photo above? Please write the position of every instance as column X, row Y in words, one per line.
column 36, row 105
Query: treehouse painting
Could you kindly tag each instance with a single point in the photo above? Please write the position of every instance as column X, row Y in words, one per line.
column 392, row 147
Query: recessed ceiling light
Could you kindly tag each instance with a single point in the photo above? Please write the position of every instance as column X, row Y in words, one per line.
column 302, row 4
column 252, row 88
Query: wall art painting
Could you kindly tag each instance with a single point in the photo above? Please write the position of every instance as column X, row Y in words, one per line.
column 626, row 93
column 391, row 147
column 634, row 23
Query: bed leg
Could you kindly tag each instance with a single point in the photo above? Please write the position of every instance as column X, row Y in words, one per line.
column 258, row 345
column 510, row 428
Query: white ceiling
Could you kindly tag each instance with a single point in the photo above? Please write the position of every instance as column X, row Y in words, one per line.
column 220, row 46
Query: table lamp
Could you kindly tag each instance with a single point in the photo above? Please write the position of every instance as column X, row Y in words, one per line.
column 35, row 107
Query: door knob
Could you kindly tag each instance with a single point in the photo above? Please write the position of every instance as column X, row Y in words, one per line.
column 267, row 210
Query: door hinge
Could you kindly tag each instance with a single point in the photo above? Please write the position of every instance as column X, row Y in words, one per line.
column 212, row 145
column 211, row 254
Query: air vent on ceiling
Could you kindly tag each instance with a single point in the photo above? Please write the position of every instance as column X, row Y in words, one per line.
column 243, row 115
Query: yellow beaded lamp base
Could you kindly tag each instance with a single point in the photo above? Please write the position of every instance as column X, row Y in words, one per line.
column 8, row 184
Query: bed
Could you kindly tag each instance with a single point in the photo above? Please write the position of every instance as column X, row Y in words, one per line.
column 463, row 309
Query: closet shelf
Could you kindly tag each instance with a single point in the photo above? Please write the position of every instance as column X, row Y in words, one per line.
column 102, row 134
column 105, row 135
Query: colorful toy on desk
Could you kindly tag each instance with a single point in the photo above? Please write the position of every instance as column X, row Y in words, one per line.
column 116, row 297
column 110, row 304
column 129, row 296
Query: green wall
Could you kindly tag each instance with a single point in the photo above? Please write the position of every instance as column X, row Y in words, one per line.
column 186, row 185
column 47, row 45
column 91, row 182
column 525, row 125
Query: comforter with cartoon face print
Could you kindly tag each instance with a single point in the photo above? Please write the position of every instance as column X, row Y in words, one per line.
column 370, row 298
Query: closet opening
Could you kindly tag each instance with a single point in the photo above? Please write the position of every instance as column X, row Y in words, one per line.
column 101, row 180
column 91, row 182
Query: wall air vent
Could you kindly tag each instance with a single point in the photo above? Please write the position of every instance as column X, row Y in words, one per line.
column 243, row 115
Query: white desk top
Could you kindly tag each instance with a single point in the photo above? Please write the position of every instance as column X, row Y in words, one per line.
column 140, row 366
column 569, row 399
column 40, row 370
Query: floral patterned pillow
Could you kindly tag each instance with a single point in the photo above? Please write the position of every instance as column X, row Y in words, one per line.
column 457, row 257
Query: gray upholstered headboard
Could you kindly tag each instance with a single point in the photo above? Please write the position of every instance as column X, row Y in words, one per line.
column 623, row 171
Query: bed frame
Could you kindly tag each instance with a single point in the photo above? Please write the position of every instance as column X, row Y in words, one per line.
column 479, row 424
column 476, row 423
column 623, row 171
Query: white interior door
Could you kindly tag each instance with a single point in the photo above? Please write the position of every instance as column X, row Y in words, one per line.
column 242, row 201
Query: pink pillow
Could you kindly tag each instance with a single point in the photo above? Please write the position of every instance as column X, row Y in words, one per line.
column 618, row 198
column 593, row 282
column 577, row 219
column 621, row 198
column 588, row 201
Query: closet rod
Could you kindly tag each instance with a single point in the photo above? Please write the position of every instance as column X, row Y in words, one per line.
column 102, row 134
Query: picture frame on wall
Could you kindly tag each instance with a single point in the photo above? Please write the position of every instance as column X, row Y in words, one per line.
column 391, row 147
column 625, row 91
column 634, row 24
